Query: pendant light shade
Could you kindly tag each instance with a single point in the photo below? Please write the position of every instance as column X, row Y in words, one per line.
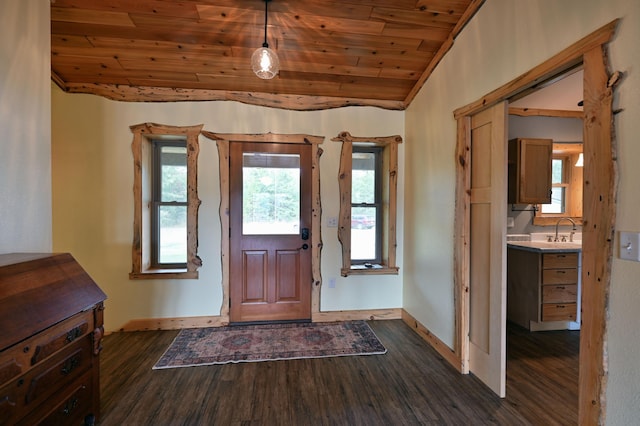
column 264, row 61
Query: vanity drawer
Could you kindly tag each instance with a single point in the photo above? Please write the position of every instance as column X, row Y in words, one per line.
column 559, row 260
column 567, row 293
column 559, row 276
column 559, row 311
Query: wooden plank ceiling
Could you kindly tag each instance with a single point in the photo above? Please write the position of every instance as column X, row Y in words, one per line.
column 332, row 53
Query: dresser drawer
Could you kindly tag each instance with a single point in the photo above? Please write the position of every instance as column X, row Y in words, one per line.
column 59, row 372
column 559, row 276
column 567, row 293
column 69, row 408
column 46, row 380
column 559, row 260
column 19, row 358
column 559, row 311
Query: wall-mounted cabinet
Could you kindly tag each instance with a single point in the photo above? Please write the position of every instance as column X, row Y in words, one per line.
column 529, row 168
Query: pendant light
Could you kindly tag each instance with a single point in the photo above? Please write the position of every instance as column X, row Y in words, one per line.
column 264, row 61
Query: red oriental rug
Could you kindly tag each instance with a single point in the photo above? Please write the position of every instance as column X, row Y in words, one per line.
column 269, row 342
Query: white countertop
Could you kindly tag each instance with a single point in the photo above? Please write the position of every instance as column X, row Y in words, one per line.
column 545, row 246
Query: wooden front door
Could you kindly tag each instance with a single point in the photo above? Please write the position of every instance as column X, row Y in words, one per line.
column 270, row 232
column 487, row 254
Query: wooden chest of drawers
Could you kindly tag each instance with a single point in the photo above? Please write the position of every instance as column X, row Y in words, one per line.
column 51, row 317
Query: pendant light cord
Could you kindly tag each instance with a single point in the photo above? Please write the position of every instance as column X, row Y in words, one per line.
column 266, row 4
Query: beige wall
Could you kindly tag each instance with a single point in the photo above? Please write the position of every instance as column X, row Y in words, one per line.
column 505, row 39
column 25, row 122
column 93, row 201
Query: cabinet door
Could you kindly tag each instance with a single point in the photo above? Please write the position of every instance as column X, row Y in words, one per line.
column 530, row 171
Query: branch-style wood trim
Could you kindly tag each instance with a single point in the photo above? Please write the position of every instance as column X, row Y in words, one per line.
column 138, row 255
column 537, row 112
column 563, row 60
column 223, row 141
column 390, row 144
column 380, row 140
column 598, row 230
column 344, row 217
column 224, row 157
column 445, row 351
column 469, row 13
column 462, row 222
column 126, row 93
column 369, row 271
column 265, row 137
column 316, row 226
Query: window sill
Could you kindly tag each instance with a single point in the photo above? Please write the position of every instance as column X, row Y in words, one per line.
column 373, row 270
column 179, row 274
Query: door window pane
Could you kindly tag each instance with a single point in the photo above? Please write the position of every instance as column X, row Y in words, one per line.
column 270, row 194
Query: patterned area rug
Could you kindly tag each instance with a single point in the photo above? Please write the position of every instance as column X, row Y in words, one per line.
column 269, row 342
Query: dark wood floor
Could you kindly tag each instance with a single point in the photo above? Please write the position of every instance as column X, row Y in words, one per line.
column 410, row 385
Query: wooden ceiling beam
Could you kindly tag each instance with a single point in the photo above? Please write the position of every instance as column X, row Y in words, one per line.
column 290, row 102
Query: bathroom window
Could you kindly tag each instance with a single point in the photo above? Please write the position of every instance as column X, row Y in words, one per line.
column 566, row 186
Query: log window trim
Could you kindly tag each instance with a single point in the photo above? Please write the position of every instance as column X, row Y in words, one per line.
column 143, row 135
column 389, row 146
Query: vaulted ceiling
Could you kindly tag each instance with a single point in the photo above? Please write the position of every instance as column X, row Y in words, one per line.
column 332, row 53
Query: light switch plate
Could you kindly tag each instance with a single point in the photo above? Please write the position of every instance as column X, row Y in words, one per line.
column 630, row 246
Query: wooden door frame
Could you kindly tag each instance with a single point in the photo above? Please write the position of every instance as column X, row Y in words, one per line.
column 223, row 141
column 600, row 186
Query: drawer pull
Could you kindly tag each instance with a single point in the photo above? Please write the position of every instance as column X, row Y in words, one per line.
column 560, row 287
column 8, row 401
column 561, row 272
column 69, row 365
column 70, row 406
column 74, row 334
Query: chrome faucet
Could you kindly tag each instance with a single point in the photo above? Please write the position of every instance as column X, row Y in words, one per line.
column 573, row 230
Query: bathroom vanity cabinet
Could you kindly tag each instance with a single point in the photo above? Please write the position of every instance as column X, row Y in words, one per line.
column 543, row 287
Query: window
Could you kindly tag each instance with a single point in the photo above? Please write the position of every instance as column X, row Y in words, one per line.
column 368, row 204
column 566, row 186
column 559, row 184
column 169, row 205
column 166, row 201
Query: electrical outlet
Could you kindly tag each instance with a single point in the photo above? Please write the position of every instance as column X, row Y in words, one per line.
column 630, row 246
column 332, row 222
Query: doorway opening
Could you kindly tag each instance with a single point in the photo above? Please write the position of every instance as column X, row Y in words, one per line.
column 598, row 215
